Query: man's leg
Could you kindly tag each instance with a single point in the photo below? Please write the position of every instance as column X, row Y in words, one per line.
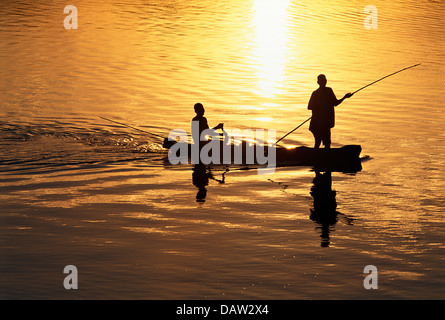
column 317, row 143
column 317, row 140
column 327, row 140
column 327, row 144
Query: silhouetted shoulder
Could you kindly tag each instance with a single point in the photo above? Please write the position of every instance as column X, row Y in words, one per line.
column 330, row 90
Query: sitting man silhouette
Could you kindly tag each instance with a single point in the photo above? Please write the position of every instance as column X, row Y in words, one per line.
column 201, row 122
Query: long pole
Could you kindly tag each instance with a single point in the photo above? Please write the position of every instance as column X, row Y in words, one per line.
column 389, row 75
column 292, row 131
column 352, row 93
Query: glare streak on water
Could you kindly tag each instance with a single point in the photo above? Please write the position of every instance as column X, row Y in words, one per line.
column 70, row 179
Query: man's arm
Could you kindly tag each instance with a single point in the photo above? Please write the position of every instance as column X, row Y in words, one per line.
column 219, row 126
column 337, row 102
column 205, row 125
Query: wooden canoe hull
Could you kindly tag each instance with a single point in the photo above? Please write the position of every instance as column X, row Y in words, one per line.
column 344, row 159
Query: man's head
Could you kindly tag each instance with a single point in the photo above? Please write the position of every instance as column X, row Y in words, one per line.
column 199, row 109
column 321, row 80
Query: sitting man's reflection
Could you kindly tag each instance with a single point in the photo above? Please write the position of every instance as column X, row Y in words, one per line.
column 201, row 175
column 325, row 206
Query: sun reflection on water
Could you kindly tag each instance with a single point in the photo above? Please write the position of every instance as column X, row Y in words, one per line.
column 271, row 38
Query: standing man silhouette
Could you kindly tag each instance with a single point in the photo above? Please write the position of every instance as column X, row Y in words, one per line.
column 322, row 103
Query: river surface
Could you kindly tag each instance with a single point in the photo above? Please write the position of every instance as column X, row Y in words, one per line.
column 80, row 190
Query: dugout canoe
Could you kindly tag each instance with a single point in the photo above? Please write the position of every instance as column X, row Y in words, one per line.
column 343, row 159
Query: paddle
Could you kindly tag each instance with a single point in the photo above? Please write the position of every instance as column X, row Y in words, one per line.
column 352, row 94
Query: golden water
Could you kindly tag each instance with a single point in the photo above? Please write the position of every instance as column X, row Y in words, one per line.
column 80, row 190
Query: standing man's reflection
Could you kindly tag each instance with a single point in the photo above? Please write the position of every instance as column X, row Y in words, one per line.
column 325, row 206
